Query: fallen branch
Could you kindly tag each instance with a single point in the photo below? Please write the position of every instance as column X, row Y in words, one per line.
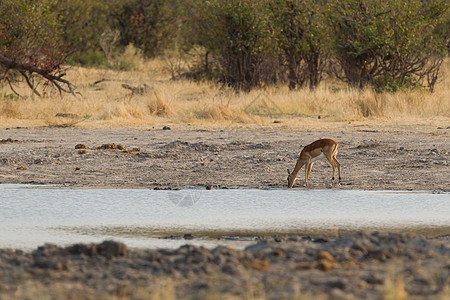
column 139, row 90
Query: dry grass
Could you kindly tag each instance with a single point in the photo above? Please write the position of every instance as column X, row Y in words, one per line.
column 181, row 101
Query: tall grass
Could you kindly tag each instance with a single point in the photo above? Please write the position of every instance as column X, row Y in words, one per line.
column 107, row 103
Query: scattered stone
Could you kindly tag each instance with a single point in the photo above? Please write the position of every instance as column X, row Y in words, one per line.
column 111, row 249
column 307, row 265
column 80, row 146
column 82, row 151
column 22, row 168
column 166, row 128
column 188, row 236
column 290, row 261
column 209, row 187
column 325, row 255
column 260, row 265
column 325, row 265
column 8, row 140
column 78, row 249
column 110, row 146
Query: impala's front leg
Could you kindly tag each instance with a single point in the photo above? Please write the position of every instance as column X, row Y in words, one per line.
column 307, row 171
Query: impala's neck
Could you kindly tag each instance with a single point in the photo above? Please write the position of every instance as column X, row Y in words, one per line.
column 294, row 173
column 297, row 167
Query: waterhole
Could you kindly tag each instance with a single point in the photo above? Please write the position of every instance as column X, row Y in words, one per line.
column 31, row 216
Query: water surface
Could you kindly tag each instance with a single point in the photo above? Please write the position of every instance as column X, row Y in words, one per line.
column 139, row 217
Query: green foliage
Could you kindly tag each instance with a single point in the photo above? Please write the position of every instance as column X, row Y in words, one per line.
column 302, row 36
column 83, row 22
column 90, row 57
column 386, row 44
column 389, row 39
column 389, row 84
column 30, row 33
column 238, row 35
column 150, row 25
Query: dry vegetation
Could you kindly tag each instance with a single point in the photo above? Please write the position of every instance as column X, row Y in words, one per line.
column 166, row 101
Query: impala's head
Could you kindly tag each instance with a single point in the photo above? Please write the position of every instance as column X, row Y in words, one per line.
column 290, row 179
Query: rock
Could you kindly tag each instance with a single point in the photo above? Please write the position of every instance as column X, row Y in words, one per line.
column 80, row 146
column 111, row 249
column 325, row 265
column 188, row 236
column 307, row 265
column 325, row 255
column 8, row 140
column 260, row 265
column 88, row 250
column 50, row 256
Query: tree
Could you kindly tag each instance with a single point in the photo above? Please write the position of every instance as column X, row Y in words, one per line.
column 237, row 34
column 30, row 45
column 82, row 23
column 150, row 25
column 388, row 43
column 301, row 35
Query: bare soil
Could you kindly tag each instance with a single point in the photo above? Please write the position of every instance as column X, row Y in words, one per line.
column 381, row 157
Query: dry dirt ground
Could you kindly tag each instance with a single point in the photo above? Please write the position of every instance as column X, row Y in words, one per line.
column 374, row 156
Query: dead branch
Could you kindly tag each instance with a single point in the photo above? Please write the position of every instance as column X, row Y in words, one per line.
column 27, row 70
column 139, row 90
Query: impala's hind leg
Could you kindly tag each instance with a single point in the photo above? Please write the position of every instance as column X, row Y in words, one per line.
column 334, row 165
column 338, row 164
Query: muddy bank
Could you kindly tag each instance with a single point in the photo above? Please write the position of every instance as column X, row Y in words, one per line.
column 361, row 266
column 392, row 157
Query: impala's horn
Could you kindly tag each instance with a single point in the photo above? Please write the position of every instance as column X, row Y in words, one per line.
column 289, row 173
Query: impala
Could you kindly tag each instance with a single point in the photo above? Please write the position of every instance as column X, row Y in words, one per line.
column 324, row 148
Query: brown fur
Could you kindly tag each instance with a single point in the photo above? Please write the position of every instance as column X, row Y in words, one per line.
column 311, row 152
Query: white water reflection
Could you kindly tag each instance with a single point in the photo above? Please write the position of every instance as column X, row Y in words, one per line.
column 33, row 216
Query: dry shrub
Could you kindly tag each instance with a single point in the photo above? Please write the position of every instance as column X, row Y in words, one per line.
column 121, row 111
column 158, row 105
column 10, row 109
column 220, row 112
column 369, row 104
column 184, row 101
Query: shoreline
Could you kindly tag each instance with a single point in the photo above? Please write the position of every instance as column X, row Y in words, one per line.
column 363, row 265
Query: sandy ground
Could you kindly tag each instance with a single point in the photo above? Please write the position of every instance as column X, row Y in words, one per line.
column 374, row 155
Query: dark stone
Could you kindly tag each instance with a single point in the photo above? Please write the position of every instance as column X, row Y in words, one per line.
column 111, row 249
